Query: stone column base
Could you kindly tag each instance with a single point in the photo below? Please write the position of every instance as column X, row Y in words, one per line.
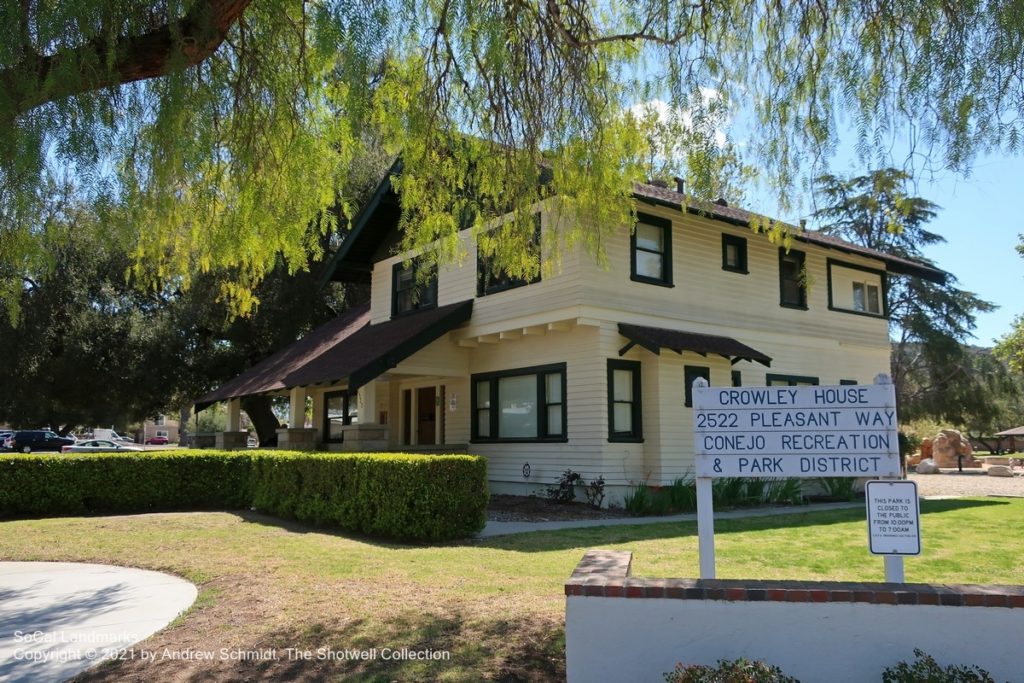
column 365, row 438
column 296, row 439
column 230, row 441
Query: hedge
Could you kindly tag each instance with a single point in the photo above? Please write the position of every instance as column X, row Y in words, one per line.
column 389, row 495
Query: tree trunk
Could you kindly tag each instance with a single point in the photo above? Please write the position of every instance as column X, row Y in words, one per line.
column 183, row 417
column 263, row 419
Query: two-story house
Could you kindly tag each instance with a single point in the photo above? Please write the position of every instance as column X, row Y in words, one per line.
column 586, row 368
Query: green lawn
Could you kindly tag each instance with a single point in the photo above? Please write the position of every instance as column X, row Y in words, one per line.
column 497, row 606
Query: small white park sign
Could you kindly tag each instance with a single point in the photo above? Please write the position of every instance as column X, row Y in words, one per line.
column 816, row 431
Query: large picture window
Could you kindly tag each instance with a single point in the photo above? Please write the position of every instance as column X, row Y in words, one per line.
column 857, row 289
column 651, row 250
column 792, row 280
column 339, row 410
column 412, row 291
column 625, row 412
column 527, row 404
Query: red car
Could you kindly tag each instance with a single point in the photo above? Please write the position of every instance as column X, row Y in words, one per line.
column 157, row 441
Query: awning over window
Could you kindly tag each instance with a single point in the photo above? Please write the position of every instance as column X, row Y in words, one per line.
column 656, row 338
column 348, row 347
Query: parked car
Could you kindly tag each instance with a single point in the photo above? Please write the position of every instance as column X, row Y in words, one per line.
column 157, row 441
column 29, row 440
column 98, row 446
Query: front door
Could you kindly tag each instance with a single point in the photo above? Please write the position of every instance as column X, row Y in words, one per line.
column 426, row 416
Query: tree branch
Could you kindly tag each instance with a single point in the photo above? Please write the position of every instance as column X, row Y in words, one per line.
column 173, row 46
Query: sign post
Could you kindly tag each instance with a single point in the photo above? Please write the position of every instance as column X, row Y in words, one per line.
column 894, row 523
column 813, row 431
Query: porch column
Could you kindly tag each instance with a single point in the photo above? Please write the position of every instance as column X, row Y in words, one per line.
column 234, row 415
column 366, row 397
column 297, row 408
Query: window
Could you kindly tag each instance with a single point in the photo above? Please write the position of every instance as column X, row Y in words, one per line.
column 651, row 250
column 857, row 289
column 690, row 373
column 161, row 432
column 339, row 410
column 624, row 408
column 491, row 280
column 865, row 298
column 160, row 420
column 737, row 378
column 409, row 292
column 527, row 404
column 734, row 254
column 790, row 381
column 792, row 289
column 847, row 382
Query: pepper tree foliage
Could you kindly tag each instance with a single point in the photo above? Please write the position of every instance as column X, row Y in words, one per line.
column 208, row 133
column 935, row 374
column 1011, row 347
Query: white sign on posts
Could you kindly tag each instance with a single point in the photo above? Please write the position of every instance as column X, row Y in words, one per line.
column 814, row 431
column 817, row 431
column 894, row 517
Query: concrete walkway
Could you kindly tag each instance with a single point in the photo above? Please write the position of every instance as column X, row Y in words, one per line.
column 504, row 528
column 57, row 619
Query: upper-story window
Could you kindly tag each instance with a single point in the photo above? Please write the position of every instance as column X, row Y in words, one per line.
column 490, row 279
column 412, row 291
column 734, row 254
column 853, row 288
column 160, row 420
column 865, row 298
column 651, row 250
column 792, row 285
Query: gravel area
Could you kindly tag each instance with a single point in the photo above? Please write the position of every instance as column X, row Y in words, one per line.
column 971, row 482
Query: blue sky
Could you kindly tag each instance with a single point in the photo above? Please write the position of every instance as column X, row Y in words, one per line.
column 981, row 219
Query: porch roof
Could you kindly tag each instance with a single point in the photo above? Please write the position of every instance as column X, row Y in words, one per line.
column 348, row 347
column 656, row 338
column 1016, row 431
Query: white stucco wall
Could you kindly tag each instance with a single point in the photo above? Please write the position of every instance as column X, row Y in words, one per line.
column 640, row 639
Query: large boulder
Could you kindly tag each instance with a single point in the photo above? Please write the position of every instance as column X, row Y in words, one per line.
column 1000, row 471
column 927, row 467
column 951, row 449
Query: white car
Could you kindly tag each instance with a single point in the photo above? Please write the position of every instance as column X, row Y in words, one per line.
column 99, row 446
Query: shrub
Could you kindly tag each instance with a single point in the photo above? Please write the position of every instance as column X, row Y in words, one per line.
column 391, row 495
column 842, row 488
column 925, row 668
column 386, row 495
column 564, row 491
column 72, row 483
column 729, row 671
column 595, row 491
column 638, row 501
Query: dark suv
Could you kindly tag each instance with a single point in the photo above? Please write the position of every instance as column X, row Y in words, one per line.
column 38, row 440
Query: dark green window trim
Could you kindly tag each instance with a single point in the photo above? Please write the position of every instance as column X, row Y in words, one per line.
column 741, row 248
column 883, row 294
column 636, row 435
column 491, row 380
column 690, row 373
column 666, row 254
column 347, row 401
column 788, row 260
column 423, row 295
column 847, row 382
column 737, row 378
column 488, row 282
column 791, row 380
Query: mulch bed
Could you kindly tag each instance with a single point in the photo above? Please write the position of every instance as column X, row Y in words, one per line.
column 536, row 509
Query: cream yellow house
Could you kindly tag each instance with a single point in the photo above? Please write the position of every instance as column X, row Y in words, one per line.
column 585, row 368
